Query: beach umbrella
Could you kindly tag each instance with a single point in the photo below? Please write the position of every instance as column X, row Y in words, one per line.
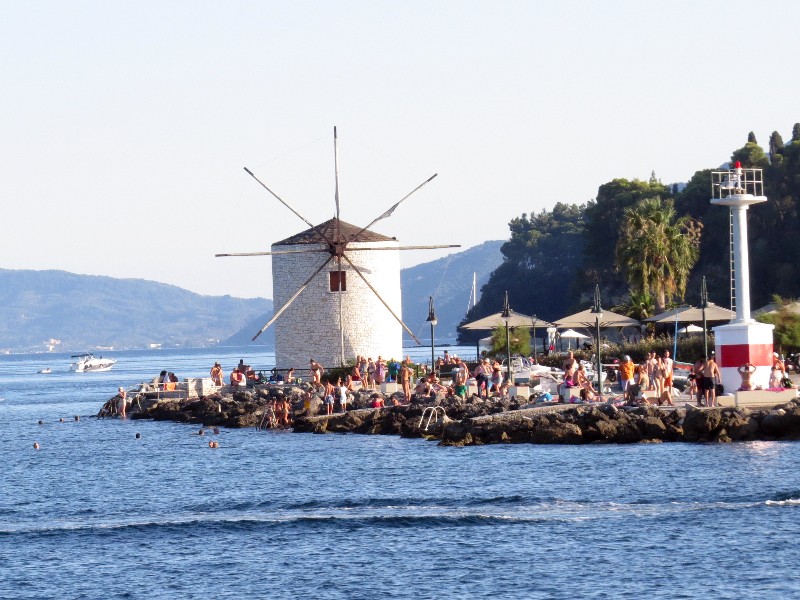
column 690, row 329
column 571, row 334
column 586, row 318
column 515, row 319
column 690, row 314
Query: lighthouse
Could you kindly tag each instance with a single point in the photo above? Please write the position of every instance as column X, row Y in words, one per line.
column 742, row 340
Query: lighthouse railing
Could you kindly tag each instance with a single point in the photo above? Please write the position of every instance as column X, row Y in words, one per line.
column 733, row 182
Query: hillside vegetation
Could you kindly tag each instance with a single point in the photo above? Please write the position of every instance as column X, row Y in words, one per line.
column 554, row 258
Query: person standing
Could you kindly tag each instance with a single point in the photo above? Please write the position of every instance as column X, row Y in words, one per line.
column 669, row 366
column 483, row 377
column 216, row 374
column 370, row 373
column 380, row 371
column 697, row 371
column 405, row 374
column 711, row 377
column 626, row 372
column 651, row 366
column 329, row 397
column 342, row 389
column 316, row 373
column 122, row 404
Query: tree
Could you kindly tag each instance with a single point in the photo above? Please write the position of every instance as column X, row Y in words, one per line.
column 796, row 132
column 751, row 155
column 640, row 306
column 751, row 138
column 603, row 219
column 775, row 147
column 787, row 324
column 520, row 341
column 657, row 250
column 541, row 261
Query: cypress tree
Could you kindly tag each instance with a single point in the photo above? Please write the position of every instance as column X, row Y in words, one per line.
column 775, row 143
column 751, row 138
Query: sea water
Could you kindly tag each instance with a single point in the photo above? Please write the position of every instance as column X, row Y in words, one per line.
column 98, row 513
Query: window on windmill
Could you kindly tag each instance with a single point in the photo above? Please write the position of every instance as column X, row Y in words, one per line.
column 338, row 278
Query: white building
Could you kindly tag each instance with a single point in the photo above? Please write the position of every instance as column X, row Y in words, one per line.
column 310, row 327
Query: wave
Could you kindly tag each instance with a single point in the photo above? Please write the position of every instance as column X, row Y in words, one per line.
column 389, row 513
column 249, row 522
column 791, row 498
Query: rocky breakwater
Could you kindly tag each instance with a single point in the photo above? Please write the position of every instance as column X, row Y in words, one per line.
column 469, row 423
column 474, row 421
column 605, row 423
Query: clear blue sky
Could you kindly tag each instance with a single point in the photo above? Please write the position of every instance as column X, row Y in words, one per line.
column 125, row 125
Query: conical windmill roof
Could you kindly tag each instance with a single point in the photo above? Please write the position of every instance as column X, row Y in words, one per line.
column 329, row 229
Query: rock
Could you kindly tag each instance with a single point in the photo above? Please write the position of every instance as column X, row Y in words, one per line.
column 738, row 424
column 701, row 425
column 652, row 428
column 557, row 433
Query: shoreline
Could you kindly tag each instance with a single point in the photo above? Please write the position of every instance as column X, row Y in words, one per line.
column 475, row 421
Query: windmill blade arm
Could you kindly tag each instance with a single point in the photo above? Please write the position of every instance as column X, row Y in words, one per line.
column 268, row 253
column 374, row 291
column 409, row 247
column 389, row 212
column 282, row 201
column 292, row 299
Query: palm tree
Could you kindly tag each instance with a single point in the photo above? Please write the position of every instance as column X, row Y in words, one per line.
column 656, row 250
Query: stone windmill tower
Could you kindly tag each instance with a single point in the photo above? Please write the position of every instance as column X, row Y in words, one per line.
column 338, row 289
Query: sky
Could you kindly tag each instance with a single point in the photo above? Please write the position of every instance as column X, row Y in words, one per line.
column 126, row 124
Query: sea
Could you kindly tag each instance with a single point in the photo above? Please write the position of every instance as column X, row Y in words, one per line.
column 142, row 509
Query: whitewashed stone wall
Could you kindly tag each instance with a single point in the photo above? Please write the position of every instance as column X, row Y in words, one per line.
column 309, row 328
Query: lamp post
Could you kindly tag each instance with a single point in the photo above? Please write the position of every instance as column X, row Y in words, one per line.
column 506, row 314
column 704, row 306
column 597, row 310
column 433, row 321
column 534, row 339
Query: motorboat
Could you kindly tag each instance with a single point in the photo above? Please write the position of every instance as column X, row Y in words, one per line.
column 87, row 363
column 45, row 371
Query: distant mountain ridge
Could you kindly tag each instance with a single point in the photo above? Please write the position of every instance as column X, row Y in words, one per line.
column 87, row 312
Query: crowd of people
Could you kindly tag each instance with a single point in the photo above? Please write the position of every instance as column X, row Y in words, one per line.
column 651, row 379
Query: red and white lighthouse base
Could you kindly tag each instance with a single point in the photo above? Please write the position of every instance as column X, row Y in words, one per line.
column 740, row 343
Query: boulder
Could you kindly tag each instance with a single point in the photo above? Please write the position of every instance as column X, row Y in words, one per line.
column 701, row 425
column 557, row 433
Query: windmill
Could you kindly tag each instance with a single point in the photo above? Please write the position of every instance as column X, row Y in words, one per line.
column 338, row 247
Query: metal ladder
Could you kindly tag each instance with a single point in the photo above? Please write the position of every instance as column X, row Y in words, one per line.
column 430, row 411
column 270, row 418
column 732, row 262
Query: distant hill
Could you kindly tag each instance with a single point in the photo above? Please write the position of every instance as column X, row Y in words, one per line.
column 87, row 312
column 449, row 281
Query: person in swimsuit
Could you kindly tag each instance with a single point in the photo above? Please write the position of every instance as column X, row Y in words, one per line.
column 316, row 373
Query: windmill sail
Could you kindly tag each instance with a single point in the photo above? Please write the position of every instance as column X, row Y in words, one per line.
column 473, row 293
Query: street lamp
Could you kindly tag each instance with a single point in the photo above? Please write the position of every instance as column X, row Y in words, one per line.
column 506, row 314
column 597, row 311
column 433, row 321
column 534, row 339
column 704, row 306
